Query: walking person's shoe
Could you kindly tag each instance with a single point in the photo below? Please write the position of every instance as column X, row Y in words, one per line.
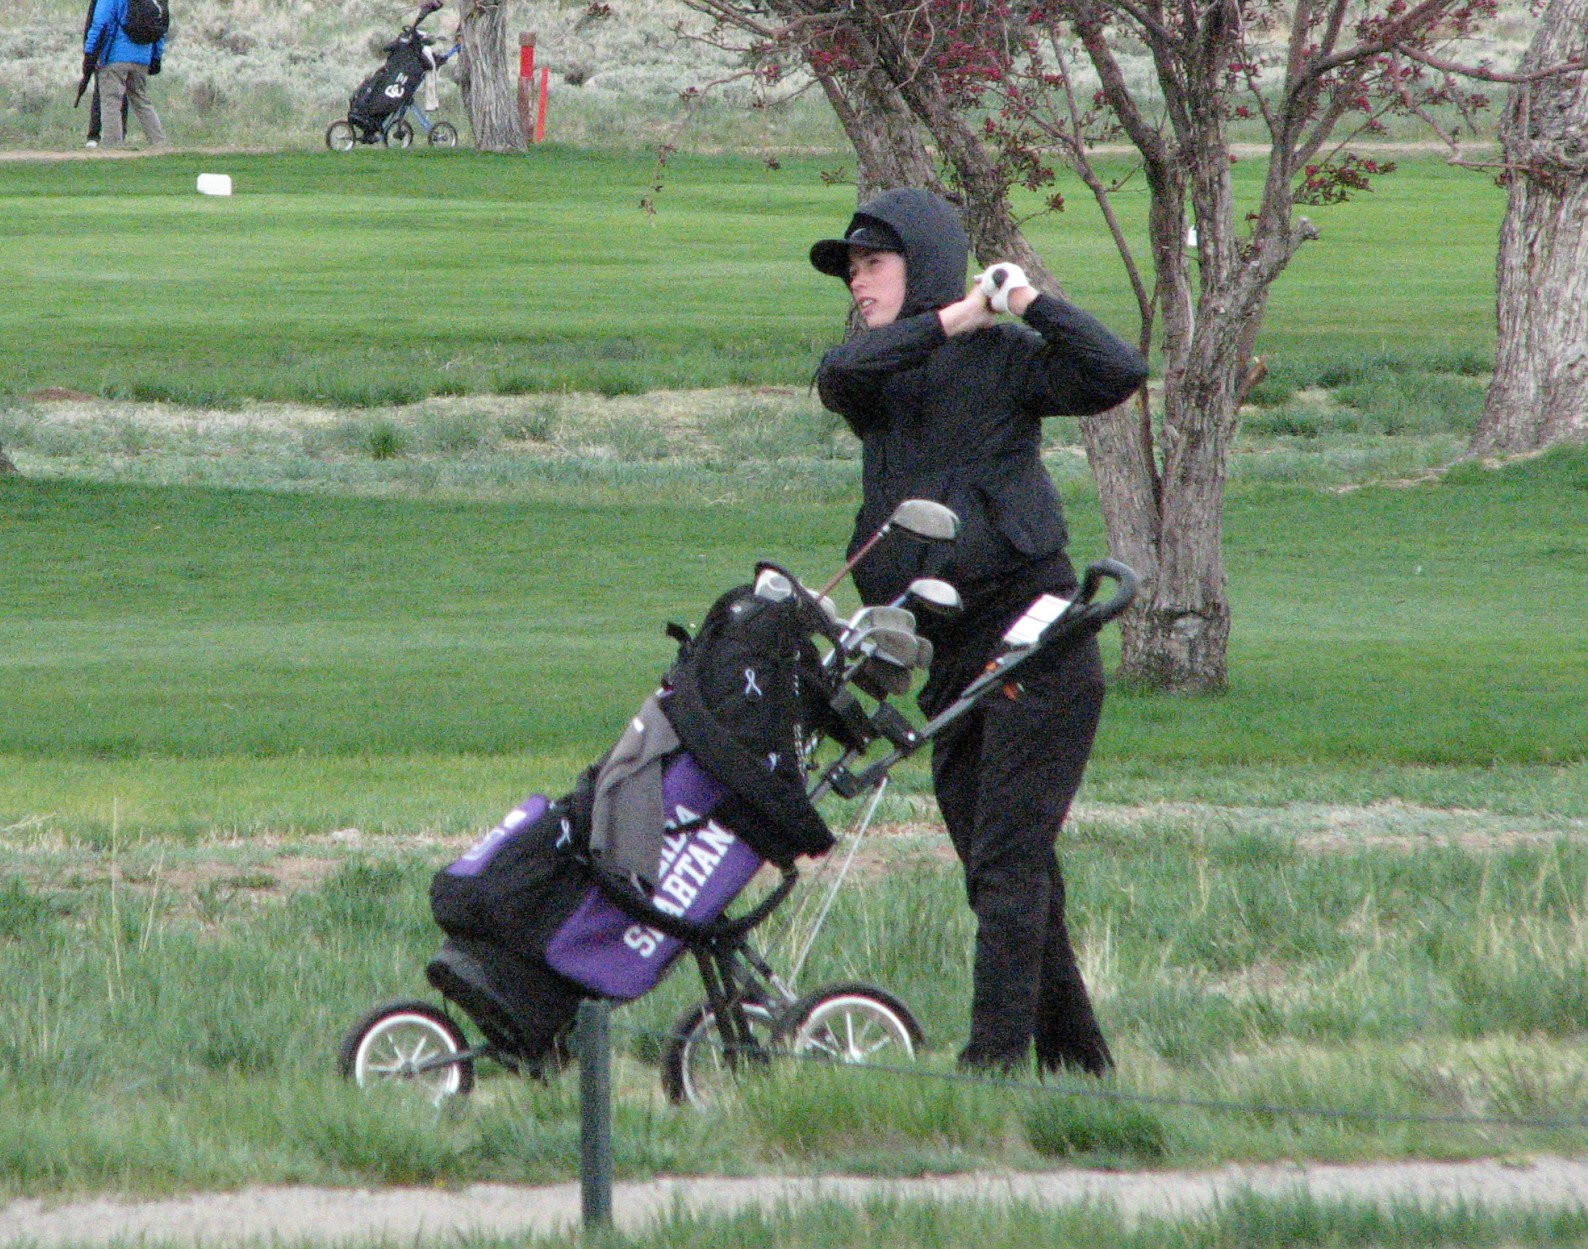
column 980, row 1060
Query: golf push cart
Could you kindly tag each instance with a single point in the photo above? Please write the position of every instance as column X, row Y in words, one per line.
column 771, row 705
column 384, row 109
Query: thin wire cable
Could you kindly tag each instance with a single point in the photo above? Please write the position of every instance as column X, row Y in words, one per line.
column 1151, row 1099
column 856, row 837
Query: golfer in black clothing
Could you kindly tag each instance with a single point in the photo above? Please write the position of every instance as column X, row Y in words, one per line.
column 947, row 396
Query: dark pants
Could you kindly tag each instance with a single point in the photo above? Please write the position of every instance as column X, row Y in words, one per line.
column 1005, row 776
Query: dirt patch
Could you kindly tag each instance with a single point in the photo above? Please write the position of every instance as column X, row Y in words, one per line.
column 129, row 153
column 1341, row 828
column 57, row 394
column 420, row 1216
column 264, row 869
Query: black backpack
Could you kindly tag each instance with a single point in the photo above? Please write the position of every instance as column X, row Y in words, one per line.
column 740, row 695
column 147, row 21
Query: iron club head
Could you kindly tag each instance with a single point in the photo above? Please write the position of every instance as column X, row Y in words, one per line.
column 934, row 596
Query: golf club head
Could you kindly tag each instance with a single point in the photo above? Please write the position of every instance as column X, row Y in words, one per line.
column 829, row 608
column 894, row 645
column 772, row 585
column 937, row 597
column 920, row 518
column 926, row 520
column 877, row 617
column 881, row 678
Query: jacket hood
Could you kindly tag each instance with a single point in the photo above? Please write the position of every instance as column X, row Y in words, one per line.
column 936, row 247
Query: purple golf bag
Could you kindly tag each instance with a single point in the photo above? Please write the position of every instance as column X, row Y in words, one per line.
column 597, row 893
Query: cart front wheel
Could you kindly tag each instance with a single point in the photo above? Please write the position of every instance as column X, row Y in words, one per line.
column 698, row 1069
column 408, row 1042
column 443, row 134
column 339, row 136
column 851, row 1023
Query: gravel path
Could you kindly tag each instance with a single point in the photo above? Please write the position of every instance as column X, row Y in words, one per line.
column 415, row 1216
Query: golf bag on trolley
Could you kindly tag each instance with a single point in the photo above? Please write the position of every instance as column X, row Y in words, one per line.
column 597, row 893
column 392, row 86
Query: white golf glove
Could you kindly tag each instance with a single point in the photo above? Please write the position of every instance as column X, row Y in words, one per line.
column 999, row 281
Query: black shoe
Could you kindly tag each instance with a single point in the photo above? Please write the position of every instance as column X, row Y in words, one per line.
column 978, row 1060
column 1090, row 1060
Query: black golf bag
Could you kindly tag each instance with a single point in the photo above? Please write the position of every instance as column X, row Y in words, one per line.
column 393, row 85
column 597, row 893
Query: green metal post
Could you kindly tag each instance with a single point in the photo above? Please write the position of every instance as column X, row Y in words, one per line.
column 595, row 1113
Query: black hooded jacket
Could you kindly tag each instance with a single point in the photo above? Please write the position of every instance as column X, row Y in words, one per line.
column 958, row 420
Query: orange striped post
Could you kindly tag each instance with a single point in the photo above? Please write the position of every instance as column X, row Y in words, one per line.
column 526, row 82
column 545, row 99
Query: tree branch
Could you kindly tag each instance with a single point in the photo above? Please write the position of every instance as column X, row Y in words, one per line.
column 1487, row 75
column 1147, row 21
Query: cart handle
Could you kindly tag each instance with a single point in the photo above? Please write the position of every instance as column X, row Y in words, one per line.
column 1126, row 586
column 1082, row 619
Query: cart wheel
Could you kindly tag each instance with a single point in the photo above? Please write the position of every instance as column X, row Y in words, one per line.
column 850, row 1023
column 697, row 1070
column 339, row 136
column 401, row 134
column 443, row 134
column 394, row 1041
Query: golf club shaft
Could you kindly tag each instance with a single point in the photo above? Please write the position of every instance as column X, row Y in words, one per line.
column 865, row 550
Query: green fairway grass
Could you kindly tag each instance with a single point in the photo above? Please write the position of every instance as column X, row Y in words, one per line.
column 1433, row 625
column 381, row 277
column 264, row 667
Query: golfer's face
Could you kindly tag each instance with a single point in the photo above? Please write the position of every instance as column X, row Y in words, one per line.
column 876, row 280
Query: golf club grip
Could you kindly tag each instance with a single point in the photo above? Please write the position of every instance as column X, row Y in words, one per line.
column 1108, row 570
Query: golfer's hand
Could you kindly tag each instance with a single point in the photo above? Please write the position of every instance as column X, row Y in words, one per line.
column 970, row 313
column 1006, row 288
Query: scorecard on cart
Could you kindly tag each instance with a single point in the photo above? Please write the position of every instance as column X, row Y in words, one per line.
column 1038, row 618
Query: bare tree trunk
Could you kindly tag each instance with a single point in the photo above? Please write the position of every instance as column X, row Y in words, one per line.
column 1123, row 466
column 486, row 78
column 1539, row 395
column 889, row 149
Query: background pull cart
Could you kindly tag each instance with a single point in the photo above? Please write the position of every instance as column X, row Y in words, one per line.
column 385, row 108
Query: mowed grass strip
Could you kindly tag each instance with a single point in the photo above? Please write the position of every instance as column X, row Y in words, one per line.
column 269, row 624
column 1433, row 624
column 379, row 277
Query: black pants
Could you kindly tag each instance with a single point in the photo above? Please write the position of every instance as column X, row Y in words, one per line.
column 1005, row 776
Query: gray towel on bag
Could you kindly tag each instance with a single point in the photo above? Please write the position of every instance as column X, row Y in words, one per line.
column 628, row 820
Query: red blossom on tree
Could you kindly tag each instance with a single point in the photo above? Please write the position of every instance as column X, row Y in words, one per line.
column 985, row 98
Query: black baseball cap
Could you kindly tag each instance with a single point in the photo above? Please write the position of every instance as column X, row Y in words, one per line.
column 831, row 256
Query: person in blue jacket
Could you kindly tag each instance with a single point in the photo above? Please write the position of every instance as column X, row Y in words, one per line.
column 124, row 71
column 90, row 65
